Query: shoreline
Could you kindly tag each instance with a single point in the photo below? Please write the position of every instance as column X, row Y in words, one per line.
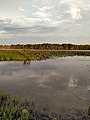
column 30, row 55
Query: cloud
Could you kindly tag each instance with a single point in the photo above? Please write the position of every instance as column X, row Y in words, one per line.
column 75, row 12
column 22, row 9
column 60, row 11
column 2, row 32
column 75, row 7
column 24, row 26
column 61, row 19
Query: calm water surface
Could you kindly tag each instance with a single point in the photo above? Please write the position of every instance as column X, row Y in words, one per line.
column 59, row 83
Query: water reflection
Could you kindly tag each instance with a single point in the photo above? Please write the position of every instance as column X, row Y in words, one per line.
column 60, row 83
column 26, row 62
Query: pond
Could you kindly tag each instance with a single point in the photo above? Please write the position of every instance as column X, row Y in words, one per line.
column 59, row 83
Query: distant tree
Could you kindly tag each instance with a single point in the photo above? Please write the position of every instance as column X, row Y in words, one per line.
column 47, row 46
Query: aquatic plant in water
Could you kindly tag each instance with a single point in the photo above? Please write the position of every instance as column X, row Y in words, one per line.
column 14, row 109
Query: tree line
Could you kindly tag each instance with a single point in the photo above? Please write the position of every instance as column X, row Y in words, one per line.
column 47, row 46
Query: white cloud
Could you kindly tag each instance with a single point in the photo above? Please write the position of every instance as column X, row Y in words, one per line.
column 21, row 21
column 75, row 12
column 2, row 32
column 40, row 14
column 22, row 9
column 75, row 7
column 61, row 19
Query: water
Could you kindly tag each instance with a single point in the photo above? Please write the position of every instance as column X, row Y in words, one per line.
column 57, row 83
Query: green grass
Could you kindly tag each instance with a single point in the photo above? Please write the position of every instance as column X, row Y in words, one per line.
column 11, row 55
column 26, row 55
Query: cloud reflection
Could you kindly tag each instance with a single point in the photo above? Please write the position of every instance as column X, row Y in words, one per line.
column 65, row 80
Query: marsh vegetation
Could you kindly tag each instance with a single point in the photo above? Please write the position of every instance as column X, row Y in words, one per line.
column 14, row 109
column 30, row 55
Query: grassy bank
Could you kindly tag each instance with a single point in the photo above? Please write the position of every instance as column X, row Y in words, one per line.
column 14, row 109
column 26, row 55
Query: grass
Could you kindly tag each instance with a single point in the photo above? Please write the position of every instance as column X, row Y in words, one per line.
column 14, row 109
column 27, row 55
column 11, row 55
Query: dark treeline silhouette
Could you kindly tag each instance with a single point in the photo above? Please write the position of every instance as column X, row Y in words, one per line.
column 47, row 46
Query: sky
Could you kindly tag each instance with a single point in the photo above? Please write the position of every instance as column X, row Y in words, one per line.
column 44, row 21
